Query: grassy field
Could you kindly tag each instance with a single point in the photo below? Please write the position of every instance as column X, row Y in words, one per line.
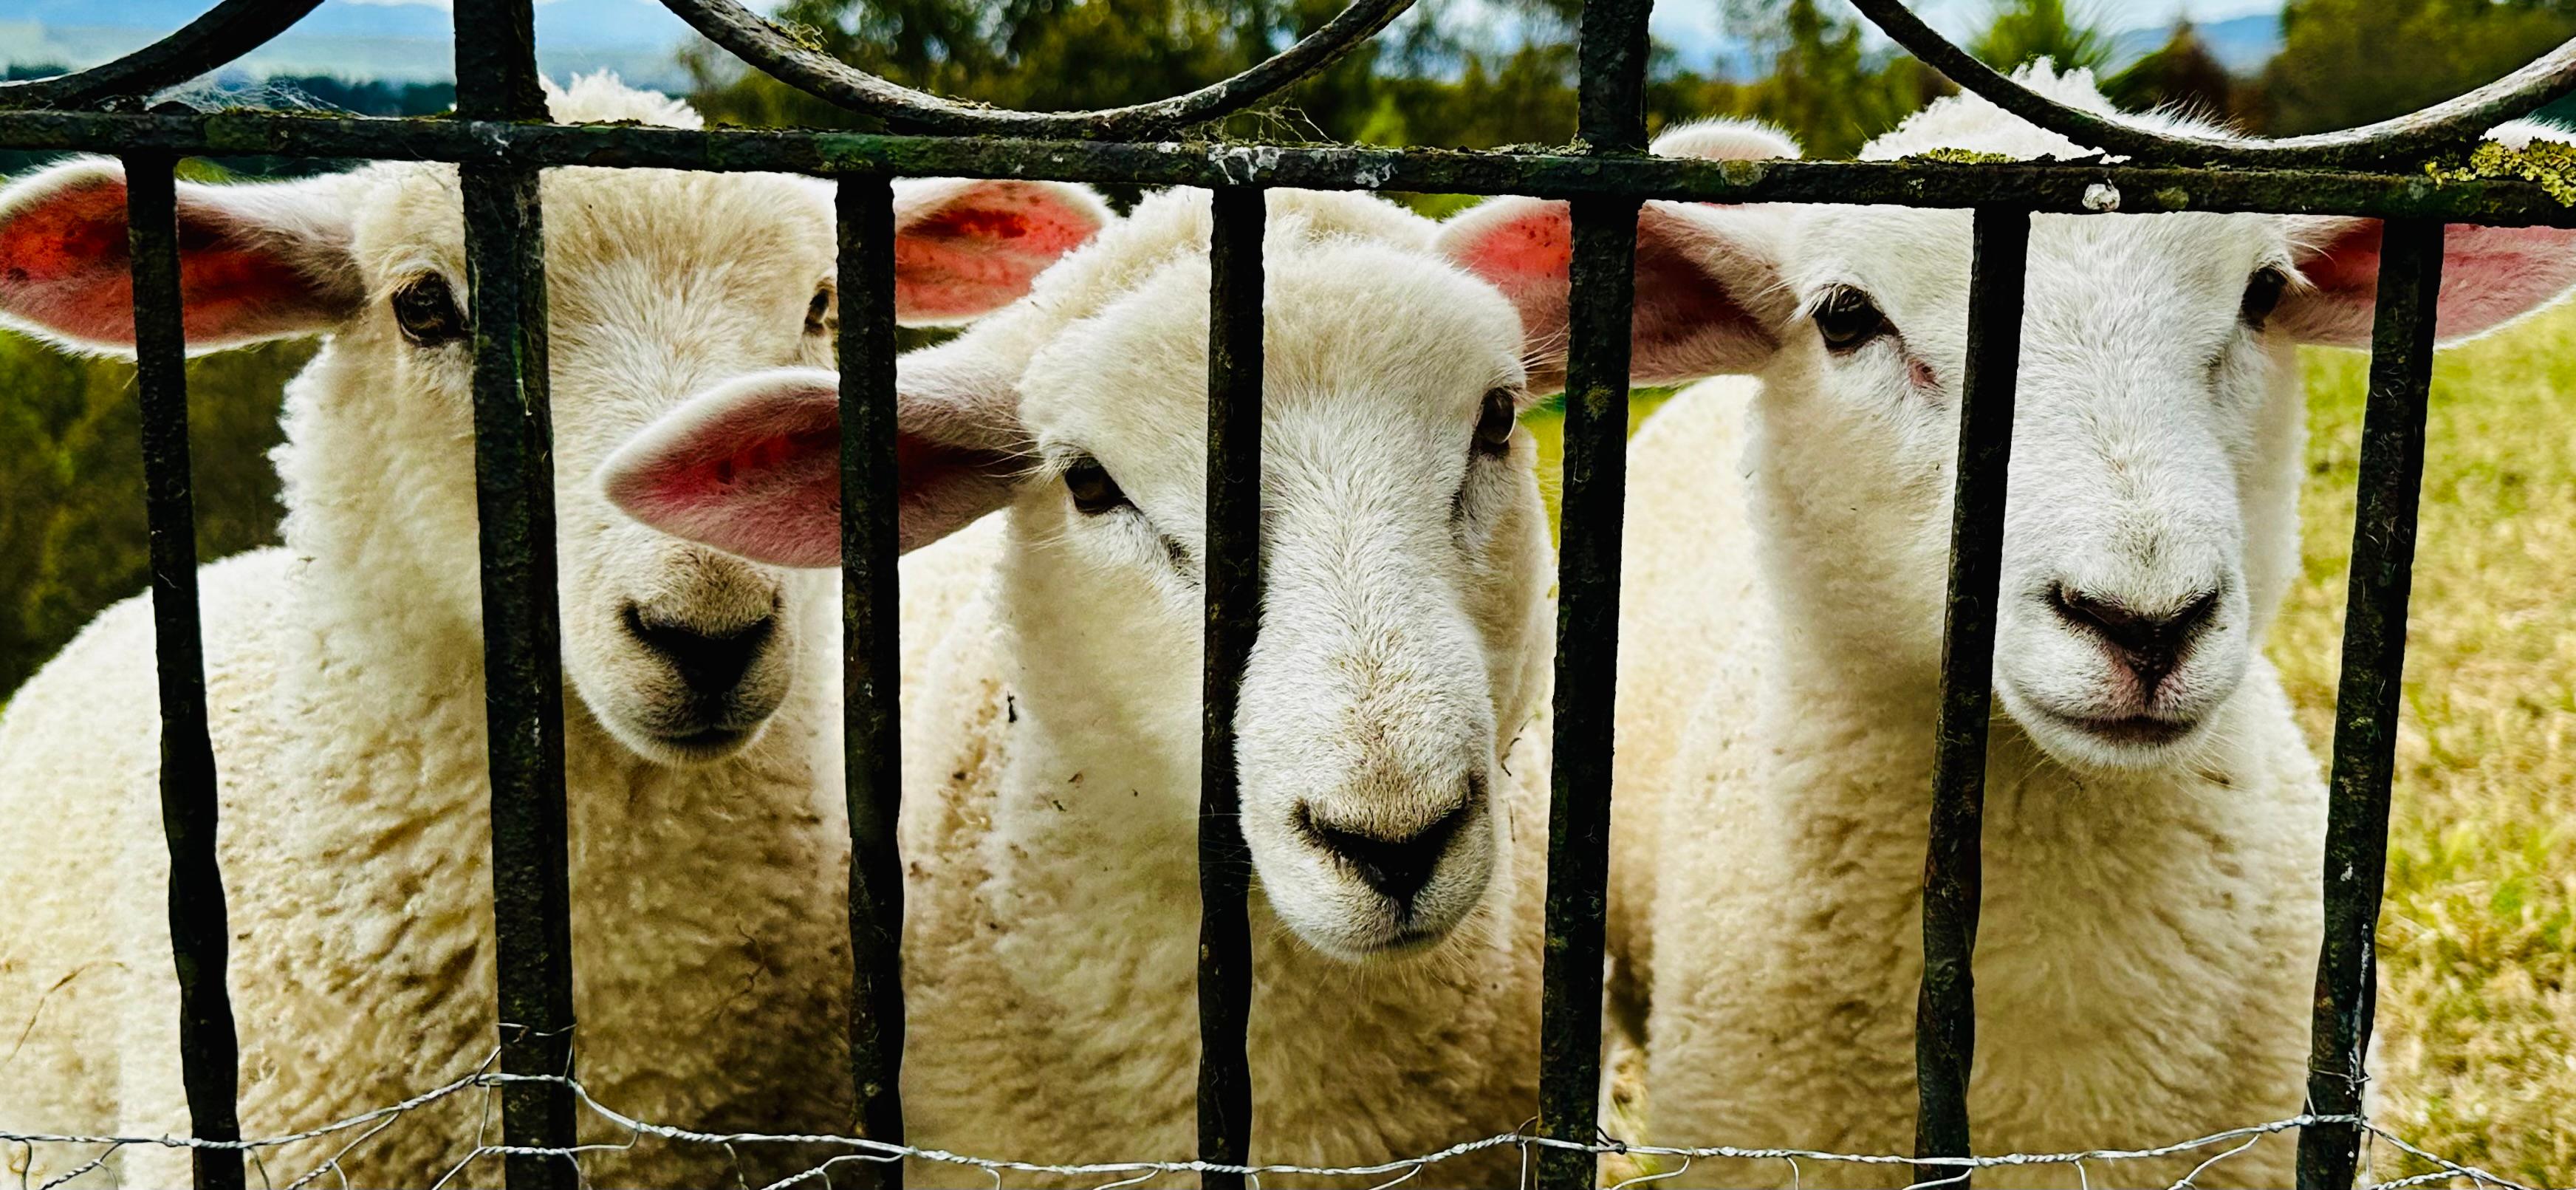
column 2477, row 1014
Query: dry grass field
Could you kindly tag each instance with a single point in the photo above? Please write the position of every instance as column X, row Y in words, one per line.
column 2477, row 1013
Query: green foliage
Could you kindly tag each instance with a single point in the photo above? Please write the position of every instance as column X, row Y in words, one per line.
column 1825, row 88
column 2345, row 63
column 71, row 482
column 1429, row 80
column 2030, row 29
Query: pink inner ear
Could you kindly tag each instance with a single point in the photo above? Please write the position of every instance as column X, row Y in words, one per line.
column 1685, row 324
column 65, row 265
column 2490, row 276
column 1536, row 248
column 760, row 478
column 981, row 251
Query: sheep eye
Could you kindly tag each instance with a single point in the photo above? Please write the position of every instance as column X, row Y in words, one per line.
column 818, row 313
column 1847, row 319
column 1092, row 490
column 1494, row 424
column 426, row 311
column 2263, row 294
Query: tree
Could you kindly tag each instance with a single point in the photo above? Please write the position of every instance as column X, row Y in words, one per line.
column 2031, row 29
column 2346, row 63
column 2182, row 75
column 1825, row 87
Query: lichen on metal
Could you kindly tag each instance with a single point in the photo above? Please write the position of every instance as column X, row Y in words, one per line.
column 2550, row 165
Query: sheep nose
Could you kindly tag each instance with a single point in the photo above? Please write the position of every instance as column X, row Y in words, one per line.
column 709, row 664
column 1397, row 865
column 2149, row 644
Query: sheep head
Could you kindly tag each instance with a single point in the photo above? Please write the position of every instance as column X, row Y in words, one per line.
column 1403, row 638
column 658, row 283
column 2151, row 525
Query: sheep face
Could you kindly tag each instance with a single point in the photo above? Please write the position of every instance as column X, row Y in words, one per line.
column 1400, row 558
column 1403, row 633
column 658, row 284
column 2154, row 458
column 2150, row 521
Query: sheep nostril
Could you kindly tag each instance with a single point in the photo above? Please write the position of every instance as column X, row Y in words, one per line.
column 2149, row 644
column 708, row 663
column 1396, row 865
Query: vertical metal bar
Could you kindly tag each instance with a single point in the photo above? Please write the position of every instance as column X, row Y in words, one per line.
column 1945, row 1022
column 870, row 666
column 1233, row 622
column 209, row 1060
column 1612, row 118
column 2367, row 698
column 496, row 76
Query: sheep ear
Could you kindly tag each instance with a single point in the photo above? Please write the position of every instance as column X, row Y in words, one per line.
column 753, row 466
column 256, row 262
column 964, row 247
column 1707, row 289
column 2490, row 275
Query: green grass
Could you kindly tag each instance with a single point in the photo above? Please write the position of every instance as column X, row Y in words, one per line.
column 2478, row 936
column 2477, row 1015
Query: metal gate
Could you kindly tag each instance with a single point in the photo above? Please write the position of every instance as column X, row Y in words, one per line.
column 499, row 138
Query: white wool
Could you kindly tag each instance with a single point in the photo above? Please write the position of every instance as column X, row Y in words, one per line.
column 345, row 690
column 2150, row 921
column 1051, row 713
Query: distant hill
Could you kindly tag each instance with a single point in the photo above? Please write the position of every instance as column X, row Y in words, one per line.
column 396, row 42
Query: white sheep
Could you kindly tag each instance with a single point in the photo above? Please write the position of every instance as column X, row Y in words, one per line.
column 2154, row 819
column 1392, row 761
column 345, row 680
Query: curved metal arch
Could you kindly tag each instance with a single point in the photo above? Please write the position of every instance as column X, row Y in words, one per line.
column 227, row 31
column 753, row 39
column 2414, row 135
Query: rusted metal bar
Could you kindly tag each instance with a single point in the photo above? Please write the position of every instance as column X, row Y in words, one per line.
column 1612, row 116
column 2368, row 697
column 773, row 50
column 200, row 938
column 225, row 32
column 1945, row 1022
column 522, row 654
column 2067, row 188
column 870, row 663
column 1233, row 595
column 2442, row 125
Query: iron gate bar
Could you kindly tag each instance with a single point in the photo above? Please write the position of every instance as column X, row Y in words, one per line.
column 209, row 1059
column 2443, row 125
column 2045, row 187
column 1601, row 275
column 871, row 663
column 757, row 41
column 1945, row 1021
column 496, row 73
column 1233, row 610
column 2369, row 696
column 226, row 31
column 501, row 139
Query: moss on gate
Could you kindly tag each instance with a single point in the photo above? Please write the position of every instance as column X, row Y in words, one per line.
column 2550, row 165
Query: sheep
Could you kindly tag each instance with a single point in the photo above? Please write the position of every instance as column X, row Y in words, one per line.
column 344, row 673
column 1392, row 755
column 2154, row 819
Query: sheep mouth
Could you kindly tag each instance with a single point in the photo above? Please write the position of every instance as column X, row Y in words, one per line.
column 2134, row 731
column 701, row 745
